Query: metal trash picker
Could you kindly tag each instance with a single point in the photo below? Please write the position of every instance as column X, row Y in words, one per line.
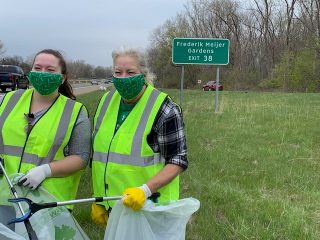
column 34, row 207
column 31, row 233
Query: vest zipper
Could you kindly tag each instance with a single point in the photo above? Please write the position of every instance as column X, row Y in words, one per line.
column 106, row 186
column 25, row 143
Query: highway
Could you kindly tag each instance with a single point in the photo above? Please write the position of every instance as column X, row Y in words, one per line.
column 77, row 89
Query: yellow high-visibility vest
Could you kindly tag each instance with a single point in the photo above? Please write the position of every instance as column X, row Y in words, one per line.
column 45, row 142
column 124, row 159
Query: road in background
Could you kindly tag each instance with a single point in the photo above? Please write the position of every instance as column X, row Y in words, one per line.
column 77, row 89
column 84, row 89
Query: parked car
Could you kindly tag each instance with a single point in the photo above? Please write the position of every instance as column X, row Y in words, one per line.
column 94, row 82
column 13, row 77
column 107, row 81
column 211, row 86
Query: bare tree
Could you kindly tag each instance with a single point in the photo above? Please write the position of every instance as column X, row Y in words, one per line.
column 261, row 32
column 290, row 10
column 309, row 16
column 2, row 51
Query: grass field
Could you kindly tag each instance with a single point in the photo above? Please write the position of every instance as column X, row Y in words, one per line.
column 254, row 166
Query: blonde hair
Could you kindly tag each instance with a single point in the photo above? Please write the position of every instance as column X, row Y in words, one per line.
column 139, row 56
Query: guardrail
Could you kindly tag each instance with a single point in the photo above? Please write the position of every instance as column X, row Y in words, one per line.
column 77, row 81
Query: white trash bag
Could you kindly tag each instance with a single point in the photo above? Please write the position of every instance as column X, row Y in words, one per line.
column 153, row 222
column 7, row 234
column 48, row 224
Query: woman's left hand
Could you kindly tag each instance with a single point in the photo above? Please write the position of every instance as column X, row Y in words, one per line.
column 136, row 197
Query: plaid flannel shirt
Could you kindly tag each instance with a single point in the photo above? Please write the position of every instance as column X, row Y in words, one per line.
column 167, row 135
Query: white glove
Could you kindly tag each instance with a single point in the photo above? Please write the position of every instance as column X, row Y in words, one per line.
column 146, row 190
column 35, row 176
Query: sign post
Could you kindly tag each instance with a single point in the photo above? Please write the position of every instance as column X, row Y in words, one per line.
column 181, row 87
column 216, row 102
column 204, row 51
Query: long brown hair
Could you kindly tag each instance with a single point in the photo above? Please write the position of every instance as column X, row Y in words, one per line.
column 65, row 88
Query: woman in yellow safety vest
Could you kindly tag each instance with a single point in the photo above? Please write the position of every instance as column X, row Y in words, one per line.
column 139, row 145
column 45, row 133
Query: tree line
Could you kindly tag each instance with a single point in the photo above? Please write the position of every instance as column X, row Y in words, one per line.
column 77, row 69
column 274, row 44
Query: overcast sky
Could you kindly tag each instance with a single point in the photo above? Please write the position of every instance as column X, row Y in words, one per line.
column 82, row 29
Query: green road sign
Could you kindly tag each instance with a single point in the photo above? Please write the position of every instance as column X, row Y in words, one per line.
column 204, row 51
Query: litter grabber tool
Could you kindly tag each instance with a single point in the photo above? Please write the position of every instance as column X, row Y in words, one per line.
column 1, row 171
column 31, row 233
column 34, row 207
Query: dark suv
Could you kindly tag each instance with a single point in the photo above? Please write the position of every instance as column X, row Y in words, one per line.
column 12, row 77
column 211, row 86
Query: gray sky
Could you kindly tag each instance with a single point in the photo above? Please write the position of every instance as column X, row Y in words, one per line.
column 82, row 29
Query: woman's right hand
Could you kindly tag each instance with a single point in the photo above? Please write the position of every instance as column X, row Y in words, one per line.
column 35, row 176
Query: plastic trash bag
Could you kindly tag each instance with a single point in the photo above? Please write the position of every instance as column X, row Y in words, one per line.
column 152, row 222
column 48, row 224
column 7, row 234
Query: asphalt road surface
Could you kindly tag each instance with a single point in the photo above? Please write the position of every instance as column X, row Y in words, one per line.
column 77, row 89
column 84, row 89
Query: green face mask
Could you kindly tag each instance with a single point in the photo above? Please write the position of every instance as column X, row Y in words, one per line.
column 129, row 87
column 45, row 82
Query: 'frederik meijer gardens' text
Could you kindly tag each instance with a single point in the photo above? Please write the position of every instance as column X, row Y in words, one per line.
column 200, row 51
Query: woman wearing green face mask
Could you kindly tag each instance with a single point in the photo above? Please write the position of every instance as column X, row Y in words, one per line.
column 45, row 132
column 139, row 146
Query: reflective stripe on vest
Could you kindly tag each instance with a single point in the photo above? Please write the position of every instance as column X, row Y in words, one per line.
column 43, row 145
column 10, row 105
column 135, row 155
column 61, row 131
column 125, row 159
column 60, row 134
column 102, row 112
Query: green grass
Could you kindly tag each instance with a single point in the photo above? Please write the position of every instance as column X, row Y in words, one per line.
column 254, row 166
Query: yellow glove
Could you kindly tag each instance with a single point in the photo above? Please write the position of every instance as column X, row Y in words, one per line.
column 99, row 214
column 136, row 197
